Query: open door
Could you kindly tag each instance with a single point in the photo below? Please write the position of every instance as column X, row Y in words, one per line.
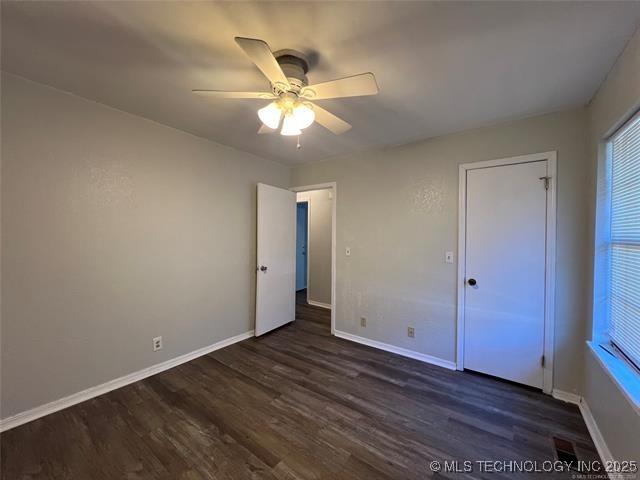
column 276, row 257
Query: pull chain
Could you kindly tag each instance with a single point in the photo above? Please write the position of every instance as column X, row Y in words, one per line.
column 298, row 146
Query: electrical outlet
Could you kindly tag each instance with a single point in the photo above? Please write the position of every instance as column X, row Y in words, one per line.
column 411, row 332
column 157, row 344
column 363, row 322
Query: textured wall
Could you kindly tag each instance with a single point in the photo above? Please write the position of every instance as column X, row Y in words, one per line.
column 397, row 211
column 115, row 230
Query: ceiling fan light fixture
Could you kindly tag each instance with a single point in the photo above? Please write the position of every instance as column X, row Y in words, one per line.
column 270, row 115
column 289, row 126
column 292, row 109
column 303, row 115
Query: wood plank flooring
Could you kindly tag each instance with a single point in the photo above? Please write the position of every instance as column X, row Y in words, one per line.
column 295, row 404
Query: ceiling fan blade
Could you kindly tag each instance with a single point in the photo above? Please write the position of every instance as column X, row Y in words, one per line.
column 329, row 121
column 227, row 94
column 355, row 86
column 260, row 54
column 264, row 130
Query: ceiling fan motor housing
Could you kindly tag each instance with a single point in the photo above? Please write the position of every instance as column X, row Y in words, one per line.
column 295, row 67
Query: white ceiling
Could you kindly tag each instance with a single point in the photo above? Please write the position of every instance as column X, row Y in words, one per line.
column 441, row 67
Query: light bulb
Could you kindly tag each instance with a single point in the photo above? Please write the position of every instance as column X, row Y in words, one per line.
column 270, row 115
column 303, row 115
column 289, row 126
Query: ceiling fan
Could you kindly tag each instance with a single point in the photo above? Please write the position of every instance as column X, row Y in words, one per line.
column 291, row 109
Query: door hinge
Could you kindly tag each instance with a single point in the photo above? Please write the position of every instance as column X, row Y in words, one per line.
column 542, row 361
column 546, row 182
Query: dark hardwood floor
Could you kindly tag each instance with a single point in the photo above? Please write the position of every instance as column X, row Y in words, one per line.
column 295, row 404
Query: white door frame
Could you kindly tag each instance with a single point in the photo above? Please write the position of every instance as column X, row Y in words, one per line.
column 334, row 189
column 550, row 267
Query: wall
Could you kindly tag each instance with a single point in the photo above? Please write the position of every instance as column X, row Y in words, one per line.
column 617, row 99
column 397, row 211
column 319, row 245
column 115, row 230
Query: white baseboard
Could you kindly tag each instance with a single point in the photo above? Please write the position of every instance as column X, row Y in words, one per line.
column 397, row 350
column 590, row 422
column 566, row 396
column 596, row 435
column 75, row 398
column 319, row 304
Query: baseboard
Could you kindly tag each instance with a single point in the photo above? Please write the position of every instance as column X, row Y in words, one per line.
column 397, row 350
column 596, row 435
column 566, row 396
column 590, row 422
column 319, row 304
column 73, row 399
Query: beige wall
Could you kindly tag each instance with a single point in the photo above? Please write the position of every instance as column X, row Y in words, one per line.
column 617, row 99
column 397, row 211
column 115, row 230
column 319, row 244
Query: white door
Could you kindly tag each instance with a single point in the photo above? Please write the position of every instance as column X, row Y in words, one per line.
column 504, row 297
column 276, row 255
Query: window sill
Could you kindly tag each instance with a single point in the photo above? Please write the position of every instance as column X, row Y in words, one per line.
column 623, row 375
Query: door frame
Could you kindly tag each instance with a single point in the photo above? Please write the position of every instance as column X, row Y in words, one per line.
column 334, row 189
column 550, row 254
column 306, row 281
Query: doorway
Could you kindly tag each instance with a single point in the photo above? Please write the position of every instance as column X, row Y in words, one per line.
column 276, row 255
column 506, row 268
column 302, row 235
column 313, row 246
column 319, row 201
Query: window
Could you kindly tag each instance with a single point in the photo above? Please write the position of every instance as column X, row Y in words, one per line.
column 623, row 327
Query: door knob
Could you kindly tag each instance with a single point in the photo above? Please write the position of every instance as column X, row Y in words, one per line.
column 472, row 282
column 263, row 268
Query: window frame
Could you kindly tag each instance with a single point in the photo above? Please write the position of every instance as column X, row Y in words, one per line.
column 623, row 375
column 601, row 337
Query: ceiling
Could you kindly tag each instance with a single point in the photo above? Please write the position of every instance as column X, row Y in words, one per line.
column 441, row 67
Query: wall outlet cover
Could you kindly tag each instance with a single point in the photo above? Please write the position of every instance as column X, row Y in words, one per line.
column 157, row 344
column 411, row 332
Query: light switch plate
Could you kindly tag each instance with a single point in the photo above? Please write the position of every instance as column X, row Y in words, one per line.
column 448, row 257
column 347, row 251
